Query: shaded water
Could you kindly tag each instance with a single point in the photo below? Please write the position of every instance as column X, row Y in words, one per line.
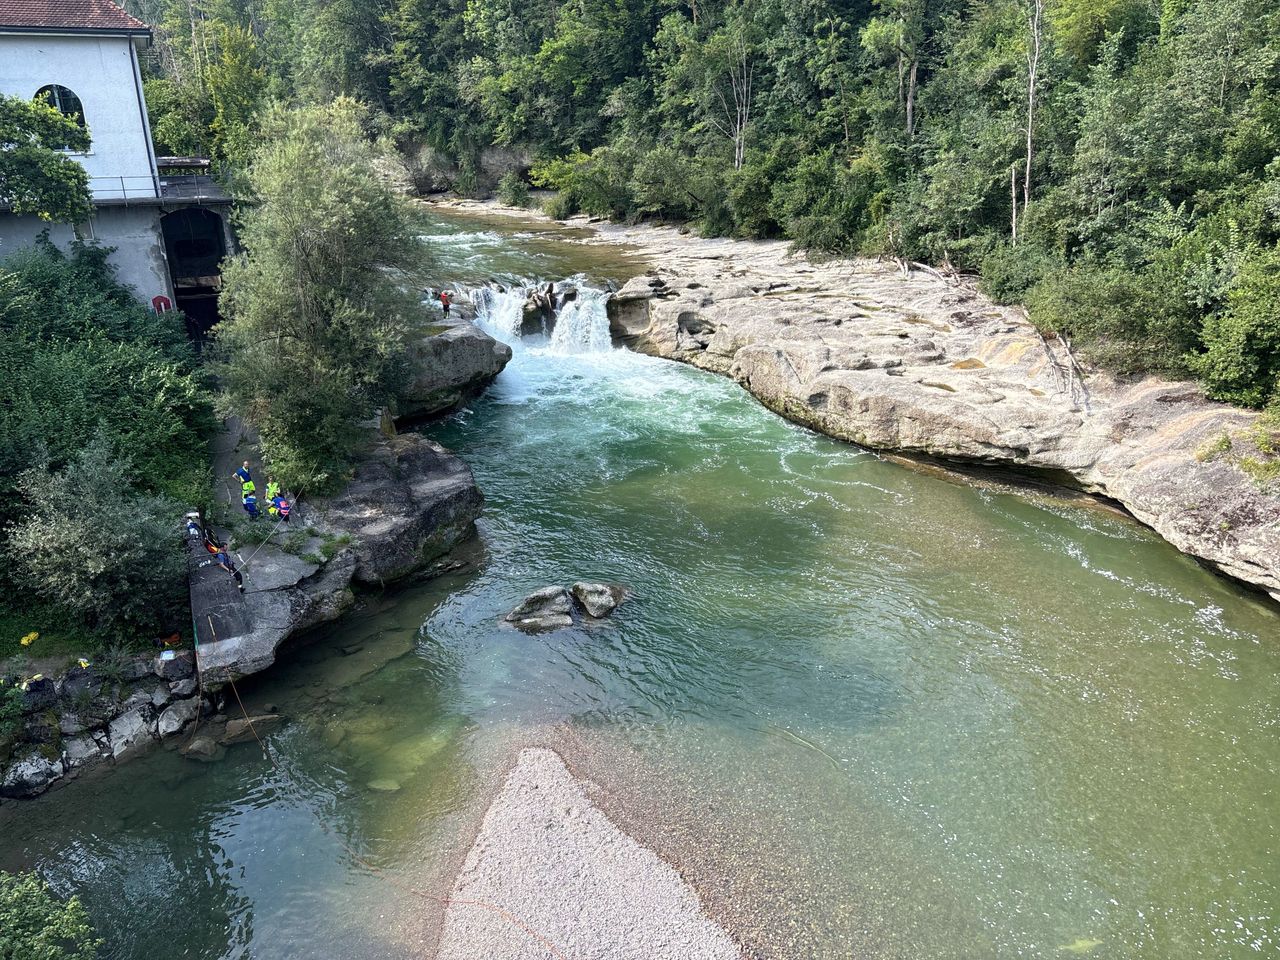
column 872, row 712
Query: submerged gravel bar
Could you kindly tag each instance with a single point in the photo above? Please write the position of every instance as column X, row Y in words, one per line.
column 549, row 856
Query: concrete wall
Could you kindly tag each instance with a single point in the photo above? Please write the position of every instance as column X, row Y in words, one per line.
column 103, row 72
column 139, row 258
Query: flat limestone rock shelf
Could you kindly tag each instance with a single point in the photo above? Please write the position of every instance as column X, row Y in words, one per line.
column 918, row 365
column 549, row 856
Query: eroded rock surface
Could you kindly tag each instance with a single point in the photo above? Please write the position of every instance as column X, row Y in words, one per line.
column 920, row 365
column 451, row 366
column 409, row 502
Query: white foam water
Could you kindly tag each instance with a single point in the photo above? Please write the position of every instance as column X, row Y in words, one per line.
column 581, row 325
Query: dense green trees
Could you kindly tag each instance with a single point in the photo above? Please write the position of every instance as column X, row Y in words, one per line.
column 36, row 925
column 316, row 317
column 1115, row 163
column 102, row 412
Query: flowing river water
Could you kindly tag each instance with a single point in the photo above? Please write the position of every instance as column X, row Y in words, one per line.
column 870, row 711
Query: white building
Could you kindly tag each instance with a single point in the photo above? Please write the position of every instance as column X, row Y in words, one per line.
column 83, row 56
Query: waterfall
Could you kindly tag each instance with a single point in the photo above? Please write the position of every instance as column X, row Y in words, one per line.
column 499, row 310
column 580, row 325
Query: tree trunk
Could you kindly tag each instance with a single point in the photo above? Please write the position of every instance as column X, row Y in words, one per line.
column 1013, row 196
column 1035, row 21
column 911, row 98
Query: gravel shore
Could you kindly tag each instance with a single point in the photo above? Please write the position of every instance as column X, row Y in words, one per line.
column 546, row 854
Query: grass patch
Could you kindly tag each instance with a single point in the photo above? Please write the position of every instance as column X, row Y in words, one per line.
column 57, row 637
column 1214, row 449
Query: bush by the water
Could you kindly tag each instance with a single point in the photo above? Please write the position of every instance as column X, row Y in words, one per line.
column 36, row 925
column 95, row 547
column 513, row 191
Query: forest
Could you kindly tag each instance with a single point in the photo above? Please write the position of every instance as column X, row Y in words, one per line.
column 1112, row 164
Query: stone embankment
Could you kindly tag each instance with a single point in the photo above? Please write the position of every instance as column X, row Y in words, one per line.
column 408, row 504
column 99, row 712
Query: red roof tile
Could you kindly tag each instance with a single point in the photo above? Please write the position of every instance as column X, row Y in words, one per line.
column 69, row 15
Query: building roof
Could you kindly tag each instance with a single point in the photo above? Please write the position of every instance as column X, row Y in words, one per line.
column 67, row 16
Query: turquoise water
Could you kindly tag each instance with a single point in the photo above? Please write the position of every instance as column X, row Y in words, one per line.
column 870, row 711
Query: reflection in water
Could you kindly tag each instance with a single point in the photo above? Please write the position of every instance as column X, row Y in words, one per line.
column 871, row 712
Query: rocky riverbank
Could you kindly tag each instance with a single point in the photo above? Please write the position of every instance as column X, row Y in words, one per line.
column 407, row 505
column 917, row 364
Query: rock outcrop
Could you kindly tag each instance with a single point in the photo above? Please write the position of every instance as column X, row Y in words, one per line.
column 409, row 502
column 450, row 367
column 922, row 366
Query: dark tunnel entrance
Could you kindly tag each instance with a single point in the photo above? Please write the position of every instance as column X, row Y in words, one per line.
column 195, row 242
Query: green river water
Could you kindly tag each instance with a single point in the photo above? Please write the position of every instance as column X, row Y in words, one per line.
column 869, row 711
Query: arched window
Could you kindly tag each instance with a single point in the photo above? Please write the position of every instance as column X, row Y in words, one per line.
column 62, row 100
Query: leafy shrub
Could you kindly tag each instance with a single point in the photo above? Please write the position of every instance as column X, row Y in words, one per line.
column 662, row 185
column 559, row 206
column 1126, row 321
column 597, row 184
column 513, row 191
column 826, row 204
column 1241, row 362
column 750, row 198
column 89, row 543
column 77, row 351
column 1008, row 272
column 35, row 925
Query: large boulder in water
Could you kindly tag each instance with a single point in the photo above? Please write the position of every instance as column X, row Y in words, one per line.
column 449, row 368
column 598, row 599
column 408, row 503
column 547, row 609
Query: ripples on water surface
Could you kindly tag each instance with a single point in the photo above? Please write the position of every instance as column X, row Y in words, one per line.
column 874, row 712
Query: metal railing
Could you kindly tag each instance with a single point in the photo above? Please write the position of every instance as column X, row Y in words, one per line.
column 185, row 187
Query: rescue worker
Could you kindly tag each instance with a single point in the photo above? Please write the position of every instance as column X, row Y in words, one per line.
column 279, row 507
column 273, row 489
column 250, row 504
column 223, row 559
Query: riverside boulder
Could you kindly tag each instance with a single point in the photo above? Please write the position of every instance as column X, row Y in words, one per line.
column 450, row 367
column 598, row 599
column 547, row 609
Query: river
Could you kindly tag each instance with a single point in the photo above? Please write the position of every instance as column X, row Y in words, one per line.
column 869, row 710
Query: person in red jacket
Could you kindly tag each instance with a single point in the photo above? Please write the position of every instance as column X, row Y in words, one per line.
column 445, row 299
